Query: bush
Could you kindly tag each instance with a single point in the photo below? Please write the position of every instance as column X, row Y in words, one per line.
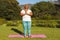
column 2, row 21
column 11, row 23
column 43, row 10
column 52, row 24
column 46, row 23
column 58, row 26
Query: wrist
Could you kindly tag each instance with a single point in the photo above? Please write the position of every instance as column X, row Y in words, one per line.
column 27, row 14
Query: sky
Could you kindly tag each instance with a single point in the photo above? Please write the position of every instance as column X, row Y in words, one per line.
column 28, row 1
column 22, row 2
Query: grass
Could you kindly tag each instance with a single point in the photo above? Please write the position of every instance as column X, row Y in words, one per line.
column 51, row 33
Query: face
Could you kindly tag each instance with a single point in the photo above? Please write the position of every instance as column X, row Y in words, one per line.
column 26, row 6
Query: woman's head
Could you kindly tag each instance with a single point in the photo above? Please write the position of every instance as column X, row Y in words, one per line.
column 26, row 6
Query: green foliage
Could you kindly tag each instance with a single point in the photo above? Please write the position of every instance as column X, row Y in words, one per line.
column 46, row 23
column 12, row 23
column 45, row 10
column 9, row 9
column 58, row 26
column 2, row 21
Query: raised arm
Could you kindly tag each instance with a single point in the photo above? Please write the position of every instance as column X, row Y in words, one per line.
column 21, row 13
column 31, row 14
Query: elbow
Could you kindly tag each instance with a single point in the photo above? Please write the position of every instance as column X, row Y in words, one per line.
column 20, row 14
column 31, row 15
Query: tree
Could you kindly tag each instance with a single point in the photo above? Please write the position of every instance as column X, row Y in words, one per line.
column 43, row 10
column 9, row 9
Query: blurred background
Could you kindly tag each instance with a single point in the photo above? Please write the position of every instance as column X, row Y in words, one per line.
column 45, row 12
column 45, row 19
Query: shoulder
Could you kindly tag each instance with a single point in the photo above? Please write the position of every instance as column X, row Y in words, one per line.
column 22, row 10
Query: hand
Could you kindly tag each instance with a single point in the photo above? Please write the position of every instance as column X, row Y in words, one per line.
column 30, row 14
column 27, row 14
column 22, row 14
column 25, row 11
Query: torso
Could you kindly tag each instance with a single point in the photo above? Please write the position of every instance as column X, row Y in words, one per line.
column 26, row 17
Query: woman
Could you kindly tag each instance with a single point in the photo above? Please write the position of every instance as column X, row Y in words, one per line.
column 26, row 14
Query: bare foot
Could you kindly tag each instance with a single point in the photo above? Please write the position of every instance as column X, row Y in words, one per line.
column 29, row 36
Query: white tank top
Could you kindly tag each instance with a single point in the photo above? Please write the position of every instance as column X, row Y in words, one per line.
column 26, row 17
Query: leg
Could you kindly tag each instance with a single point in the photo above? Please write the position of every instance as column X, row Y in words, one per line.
column 29, row 28
column 25, row 27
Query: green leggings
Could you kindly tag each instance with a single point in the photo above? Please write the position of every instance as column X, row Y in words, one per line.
column 27, row 27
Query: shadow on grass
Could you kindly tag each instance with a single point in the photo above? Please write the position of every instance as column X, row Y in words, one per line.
column 17, row 31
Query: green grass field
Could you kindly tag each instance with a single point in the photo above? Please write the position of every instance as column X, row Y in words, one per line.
column 51, row 33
